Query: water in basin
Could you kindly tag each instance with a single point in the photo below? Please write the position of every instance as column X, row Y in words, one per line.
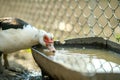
column 88, row 61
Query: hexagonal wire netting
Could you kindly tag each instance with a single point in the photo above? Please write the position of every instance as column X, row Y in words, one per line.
column 68, row 18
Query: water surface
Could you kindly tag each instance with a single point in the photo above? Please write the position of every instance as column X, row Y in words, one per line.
column 88, row 60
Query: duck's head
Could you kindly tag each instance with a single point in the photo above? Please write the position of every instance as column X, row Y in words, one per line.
column 46, row 39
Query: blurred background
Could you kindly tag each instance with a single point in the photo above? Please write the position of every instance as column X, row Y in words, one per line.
column 68, row 18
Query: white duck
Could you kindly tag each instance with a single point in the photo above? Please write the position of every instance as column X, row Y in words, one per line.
column 15, row 34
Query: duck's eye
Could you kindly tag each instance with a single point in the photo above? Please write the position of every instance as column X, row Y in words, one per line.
column 51, row 38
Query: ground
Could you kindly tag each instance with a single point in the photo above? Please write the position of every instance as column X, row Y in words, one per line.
column 25, row 66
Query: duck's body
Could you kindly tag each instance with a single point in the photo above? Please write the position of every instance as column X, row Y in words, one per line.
column 12, row 40
column 15, row 35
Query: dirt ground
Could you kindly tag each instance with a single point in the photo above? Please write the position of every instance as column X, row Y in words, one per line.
column 24, row 65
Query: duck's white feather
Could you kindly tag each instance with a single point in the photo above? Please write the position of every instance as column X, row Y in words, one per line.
column 16, row 39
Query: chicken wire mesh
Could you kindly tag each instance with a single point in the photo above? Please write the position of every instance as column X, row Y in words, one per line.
column 69, row 18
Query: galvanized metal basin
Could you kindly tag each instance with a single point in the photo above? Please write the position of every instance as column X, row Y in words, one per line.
column 54, row 71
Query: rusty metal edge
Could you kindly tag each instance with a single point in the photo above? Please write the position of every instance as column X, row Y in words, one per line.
column 93, row 42
column 80, row 42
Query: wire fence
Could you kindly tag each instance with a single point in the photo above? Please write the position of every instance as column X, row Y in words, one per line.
column 68, row 18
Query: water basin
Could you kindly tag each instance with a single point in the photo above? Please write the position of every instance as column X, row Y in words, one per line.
column 92, row 58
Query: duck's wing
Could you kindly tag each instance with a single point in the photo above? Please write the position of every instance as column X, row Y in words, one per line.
column 9, row 22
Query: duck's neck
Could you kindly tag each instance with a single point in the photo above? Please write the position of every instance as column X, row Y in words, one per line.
column 35, row 39
column 34, row 34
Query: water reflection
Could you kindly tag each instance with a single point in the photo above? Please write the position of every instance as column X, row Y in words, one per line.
column 88, row 61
